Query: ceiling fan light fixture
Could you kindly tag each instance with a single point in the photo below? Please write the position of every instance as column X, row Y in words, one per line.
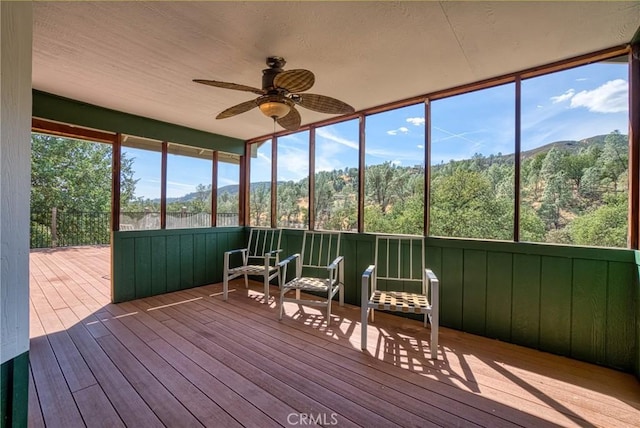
column 274, row 109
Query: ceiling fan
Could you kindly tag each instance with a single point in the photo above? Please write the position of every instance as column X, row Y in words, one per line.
column 280, row 93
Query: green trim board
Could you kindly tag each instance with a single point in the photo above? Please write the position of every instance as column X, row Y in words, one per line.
column 151, row 262
column 14, row 391
column 60, row 109
column 636, row 296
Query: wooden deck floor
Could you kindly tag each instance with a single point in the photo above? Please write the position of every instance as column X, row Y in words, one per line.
column 190, row 359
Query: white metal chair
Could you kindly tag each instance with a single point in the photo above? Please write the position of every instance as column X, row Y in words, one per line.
column 318, row 268
column 261, row 257
column 407, row 286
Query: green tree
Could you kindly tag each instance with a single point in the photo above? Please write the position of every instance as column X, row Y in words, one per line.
column 74, row 175
column 604, row 226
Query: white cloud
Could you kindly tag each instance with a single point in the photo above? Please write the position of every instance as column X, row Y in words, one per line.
column 417, row 121
column 420, row 146
column 401, row 130
column 612, row 97
column 326, row 133
column 581, row 79
column 564, row 97
column 396, row 162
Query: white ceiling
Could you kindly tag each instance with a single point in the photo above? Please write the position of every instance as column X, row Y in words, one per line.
column 141, row 57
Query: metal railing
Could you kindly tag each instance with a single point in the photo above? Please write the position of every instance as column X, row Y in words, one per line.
column 58, row 228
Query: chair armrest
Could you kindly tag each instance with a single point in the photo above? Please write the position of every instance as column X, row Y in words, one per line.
column 240, row 250
column 282, row 267
column 366, row 276
column 368, row 272
column 288, row 259
column 334, row 264
column 273, row 253
column 432, row 276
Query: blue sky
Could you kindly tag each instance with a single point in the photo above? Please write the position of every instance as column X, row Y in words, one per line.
column 568, row 105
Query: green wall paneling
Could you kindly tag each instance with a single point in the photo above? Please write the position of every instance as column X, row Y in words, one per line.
column 352, row 264
column 452, row 290
column 621, row 304
column 173, row 262
column 212, row 259
column 14, row 391
column 199, row 259
column 589, row 302
column 525, row 309
column 158, row 265
column 186, row 261
column 636, row 286
column 123, row 268
column 555, row 304
column 143, row 265
column 499, row 295
column 153, row 262
column 474, row 296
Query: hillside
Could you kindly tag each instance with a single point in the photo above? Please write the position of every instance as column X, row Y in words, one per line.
column 571, row 146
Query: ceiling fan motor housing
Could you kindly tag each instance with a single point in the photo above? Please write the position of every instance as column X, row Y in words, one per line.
column 275, row 64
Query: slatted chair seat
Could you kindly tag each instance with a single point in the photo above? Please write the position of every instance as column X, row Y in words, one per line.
column 320, row 252
column 400, row 264
column 318, row 285
column 261, row 257
column 400, row 301
column 249, row 270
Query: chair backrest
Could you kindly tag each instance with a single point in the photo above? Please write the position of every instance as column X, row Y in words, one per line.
column 319, row 249
column 400, row 263
column 263, row 240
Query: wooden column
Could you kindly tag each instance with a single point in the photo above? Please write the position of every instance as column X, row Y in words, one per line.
column 427, row 167
column 361, row 167
column 274, row 181
column 243, row 191
column 163, row 186
column 312, row 178
column 214, row 189
column 634, row 147
column 517, row 161
column 116, row 157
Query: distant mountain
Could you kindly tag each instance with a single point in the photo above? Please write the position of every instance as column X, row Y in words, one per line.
column 232, row 189
column 566, row 145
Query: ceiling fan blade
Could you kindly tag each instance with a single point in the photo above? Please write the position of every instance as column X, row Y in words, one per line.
column 227, row 85
column 295, row 80
column 237, row 109
column 323, row 104
column 291, row 121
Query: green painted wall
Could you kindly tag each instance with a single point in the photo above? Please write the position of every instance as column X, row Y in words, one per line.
column 151, row 262
column 53, row 107
column 637, row 324
column 577, row 302
column 14, row 391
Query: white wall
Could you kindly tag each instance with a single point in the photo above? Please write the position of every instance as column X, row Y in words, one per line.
column 15, row 171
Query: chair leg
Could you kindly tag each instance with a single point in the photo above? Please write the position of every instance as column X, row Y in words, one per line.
column 341, row 294
column 364, row 314
column 225, row 287
column 434, row 337
column 266, row 287
column 329, row 309
column 281, row 304
column 246, row 281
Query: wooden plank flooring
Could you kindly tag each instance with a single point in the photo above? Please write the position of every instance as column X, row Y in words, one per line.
column 189, row 359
